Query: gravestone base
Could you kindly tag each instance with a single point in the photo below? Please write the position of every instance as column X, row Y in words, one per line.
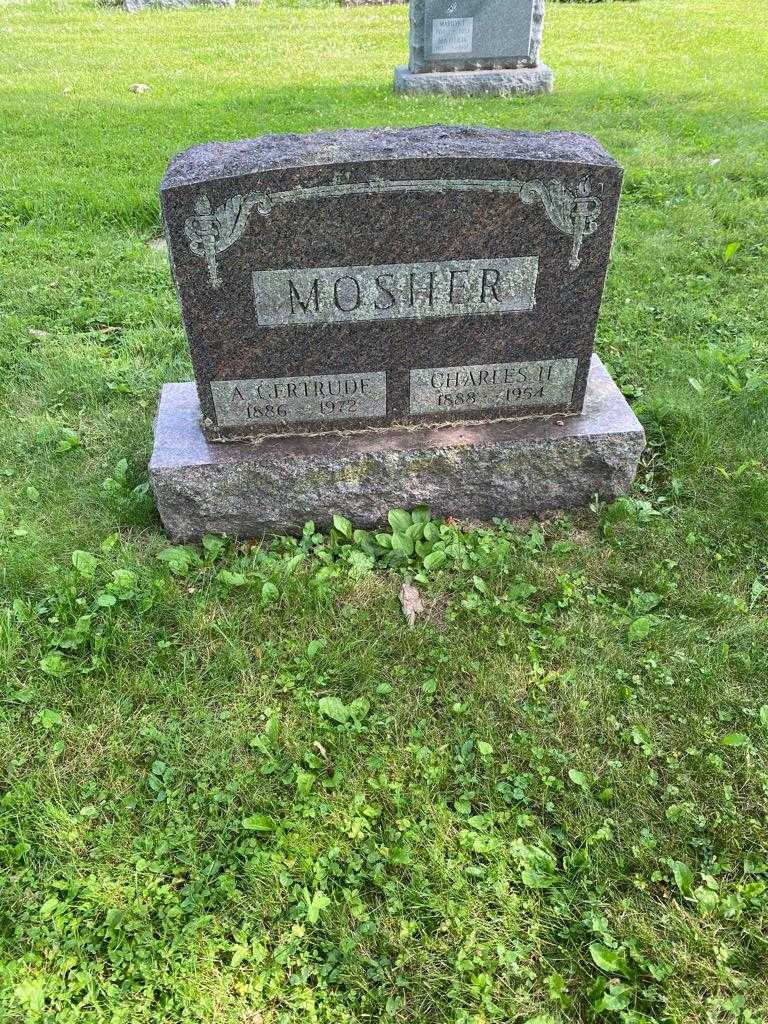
column 470, row 470
column 495, row 82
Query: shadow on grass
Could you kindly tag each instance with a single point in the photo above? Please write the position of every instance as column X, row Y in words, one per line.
column 102, row 162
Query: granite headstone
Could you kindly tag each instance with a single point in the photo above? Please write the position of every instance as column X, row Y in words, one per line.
column 357, row 279
column 472, row 47
column 464, row 35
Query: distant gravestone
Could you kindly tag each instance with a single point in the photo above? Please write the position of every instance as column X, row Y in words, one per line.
column 389, row 279
column 463, row 35
column 134, row 6
column 452, row 40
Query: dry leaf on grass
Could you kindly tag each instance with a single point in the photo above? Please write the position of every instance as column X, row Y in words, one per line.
column 411, row 603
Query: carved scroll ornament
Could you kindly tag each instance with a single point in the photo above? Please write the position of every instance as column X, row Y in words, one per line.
column 212, row 231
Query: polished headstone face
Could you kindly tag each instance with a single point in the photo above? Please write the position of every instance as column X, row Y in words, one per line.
column 465, row 35
column 484, row 30
column 347, row 280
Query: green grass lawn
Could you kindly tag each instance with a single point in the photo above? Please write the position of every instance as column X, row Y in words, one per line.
column 235, row 788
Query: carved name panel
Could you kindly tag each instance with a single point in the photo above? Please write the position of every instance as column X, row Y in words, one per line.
column 395, row 291
column 378, row 256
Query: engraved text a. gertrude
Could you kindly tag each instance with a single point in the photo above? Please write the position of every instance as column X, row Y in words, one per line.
column 335, row 396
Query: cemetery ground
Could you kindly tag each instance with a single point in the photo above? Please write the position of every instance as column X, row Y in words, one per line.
column 237, row 788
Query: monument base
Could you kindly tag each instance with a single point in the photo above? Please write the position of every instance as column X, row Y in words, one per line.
column 495, row 82
column 469, row 470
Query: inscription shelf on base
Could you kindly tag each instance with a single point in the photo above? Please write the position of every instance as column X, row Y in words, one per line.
column 506, row 387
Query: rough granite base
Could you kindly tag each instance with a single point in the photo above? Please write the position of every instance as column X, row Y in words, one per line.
column 496, row 82
column 480, row 470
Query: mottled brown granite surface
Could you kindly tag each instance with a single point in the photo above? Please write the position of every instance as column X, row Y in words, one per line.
column 388, row 197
